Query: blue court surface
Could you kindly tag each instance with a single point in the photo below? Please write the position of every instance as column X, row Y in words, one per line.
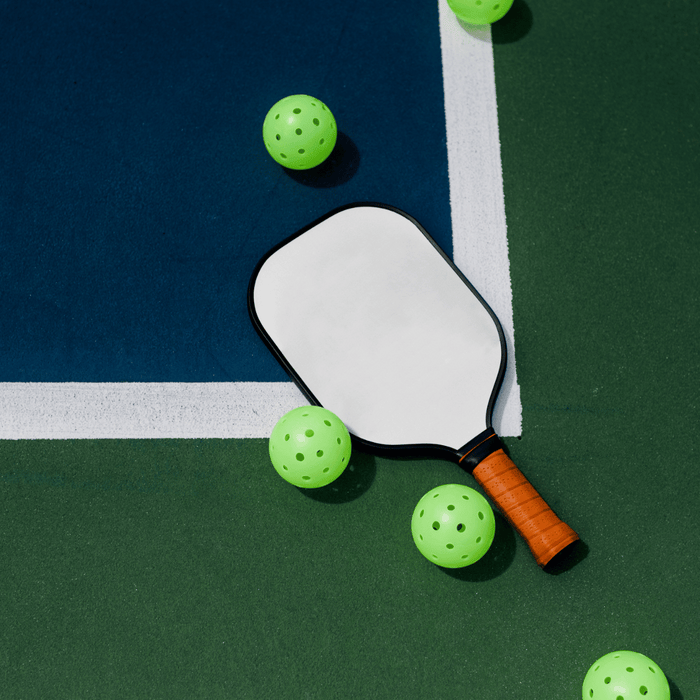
column 136, row 195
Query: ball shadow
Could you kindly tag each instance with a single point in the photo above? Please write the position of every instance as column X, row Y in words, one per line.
column 496, row 560
column 351, row 484
column 340, row 167
column 516, row 24
column 675, row 690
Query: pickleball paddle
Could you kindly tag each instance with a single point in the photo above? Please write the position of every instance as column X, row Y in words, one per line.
column 372, row 321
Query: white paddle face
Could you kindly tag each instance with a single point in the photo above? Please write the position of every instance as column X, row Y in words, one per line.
column 381, row 329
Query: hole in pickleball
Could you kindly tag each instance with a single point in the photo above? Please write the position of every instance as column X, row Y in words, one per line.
column 607, row 680
column 450, row 507
column 478, row 539
column 319, row 453
column 278, row 137
column 282, row 155
column 460, row 527
column 284, row 466
column 296, row 110
column 643, row 690
column 327, row 422
column 306, row 478
column 436, row 525
column 286, row 437
column 466, row 498
column 316, row 122
column 326, row 470
column 629, row 669
column 450, row 546
column 300, row 457
column 481, row 515
column 309, row 433
column 421, row 514
column 298, row 132
column 301, row 151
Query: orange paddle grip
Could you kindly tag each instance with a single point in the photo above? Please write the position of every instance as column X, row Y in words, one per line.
column 525, row 509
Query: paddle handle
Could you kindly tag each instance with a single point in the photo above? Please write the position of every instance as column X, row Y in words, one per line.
column 523, row 507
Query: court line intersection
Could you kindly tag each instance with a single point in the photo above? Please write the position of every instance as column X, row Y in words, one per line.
column 77, row 410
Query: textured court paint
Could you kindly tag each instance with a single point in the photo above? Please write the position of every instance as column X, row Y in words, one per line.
column 249, row 409
column 79, row 410
column 480, row 246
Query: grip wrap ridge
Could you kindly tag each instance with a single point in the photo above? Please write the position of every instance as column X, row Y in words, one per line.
column 546, row 535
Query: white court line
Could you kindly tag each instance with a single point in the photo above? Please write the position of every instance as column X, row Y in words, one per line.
column 78, row 410
column 74, row 410
column 479, row 237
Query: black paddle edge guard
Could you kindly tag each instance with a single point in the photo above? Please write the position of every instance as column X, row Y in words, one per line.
column 478, row 448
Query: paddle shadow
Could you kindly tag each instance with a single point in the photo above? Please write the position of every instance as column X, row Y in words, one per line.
column 567, row 559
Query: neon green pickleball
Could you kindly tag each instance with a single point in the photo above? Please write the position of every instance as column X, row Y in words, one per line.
column 480, row 11
column 300, row 132
column 310, row 447
column 453, row 526
column 623, row 675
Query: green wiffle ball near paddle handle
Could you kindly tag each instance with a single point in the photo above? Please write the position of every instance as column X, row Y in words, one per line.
column 453, row 526
column 310, row 447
